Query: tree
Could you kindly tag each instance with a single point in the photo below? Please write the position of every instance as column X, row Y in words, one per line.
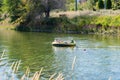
column 13, row 8
column 90, row 4
column 40, row 7
column 116, row 4
column 48, row 5
column 0, row 6
column 95, row 1
column 0, row 3
column 36, row 11
column 100, row 4
column 108, row 4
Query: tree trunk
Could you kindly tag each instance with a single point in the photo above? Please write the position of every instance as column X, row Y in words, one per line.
column 47, row 13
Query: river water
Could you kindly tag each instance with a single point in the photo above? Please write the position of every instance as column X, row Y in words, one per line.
column 97, row 57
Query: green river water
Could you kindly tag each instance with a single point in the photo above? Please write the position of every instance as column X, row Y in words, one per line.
column 97, row 57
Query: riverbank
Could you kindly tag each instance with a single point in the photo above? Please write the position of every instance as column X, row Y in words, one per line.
column 80, row 24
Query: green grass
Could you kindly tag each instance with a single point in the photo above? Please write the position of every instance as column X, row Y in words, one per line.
column 4, row 24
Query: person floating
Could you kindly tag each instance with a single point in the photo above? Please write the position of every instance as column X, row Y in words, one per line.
column 72, row 41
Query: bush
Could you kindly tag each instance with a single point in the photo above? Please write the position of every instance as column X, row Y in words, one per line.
column 23, row 27
column 100, row 4
column 108, row 4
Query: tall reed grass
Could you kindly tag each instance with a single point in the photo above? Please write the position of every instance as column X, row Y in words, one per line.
column 11, row 72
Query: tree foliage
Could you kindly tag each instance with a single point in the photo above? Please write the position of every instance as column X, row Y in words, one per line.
column 90, row 4
column 29, row 9
column 48, row 5
column 13, row 8
column 35, row 9
column 116, row 4
column 0, row 5
column 41, row 8
column 100, row 4
column 108, row 4
column 95, row 1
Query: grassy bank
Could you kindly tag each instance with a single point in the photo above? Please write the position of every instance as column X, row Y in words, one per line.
column 4, row 24
column 84, row 22
column 80, row 24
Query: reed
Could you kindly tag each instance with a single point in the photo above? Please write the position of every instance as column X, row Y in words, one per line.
column 60, row 77
column 13, row 70
column 52, row 76
column 11, row 66
column 26, row 75
column 37, row 75
column 15, row 66
column 2, row 54
column 110, row 78
column 73, row 62
column 23, row 77
column 27, row 72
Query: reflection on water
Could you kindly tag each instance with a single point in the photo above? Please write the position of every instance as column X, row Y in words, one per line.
column 97, row 57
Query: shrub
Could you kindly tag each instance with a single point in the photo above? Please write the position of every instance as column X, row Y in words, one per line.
column 108, row 4
column 100, row 4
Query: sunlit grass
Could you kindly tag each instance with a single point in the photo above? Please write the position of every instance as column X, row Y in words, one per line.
column 72, row 14
column 101, row 21
column 7, row 27
column 4, row 24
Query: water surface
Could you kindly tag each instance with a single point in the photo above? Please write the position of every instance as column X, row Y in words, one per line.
column 97, row 57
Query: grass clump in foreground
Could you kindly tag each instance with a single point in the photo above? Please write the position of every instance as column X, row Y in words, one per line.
column 12, row 72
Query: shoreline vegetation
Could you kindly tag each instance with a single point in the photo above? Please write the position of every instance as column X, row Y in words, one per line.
column 62, row 16
column 80, row 22
column 74, row 22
